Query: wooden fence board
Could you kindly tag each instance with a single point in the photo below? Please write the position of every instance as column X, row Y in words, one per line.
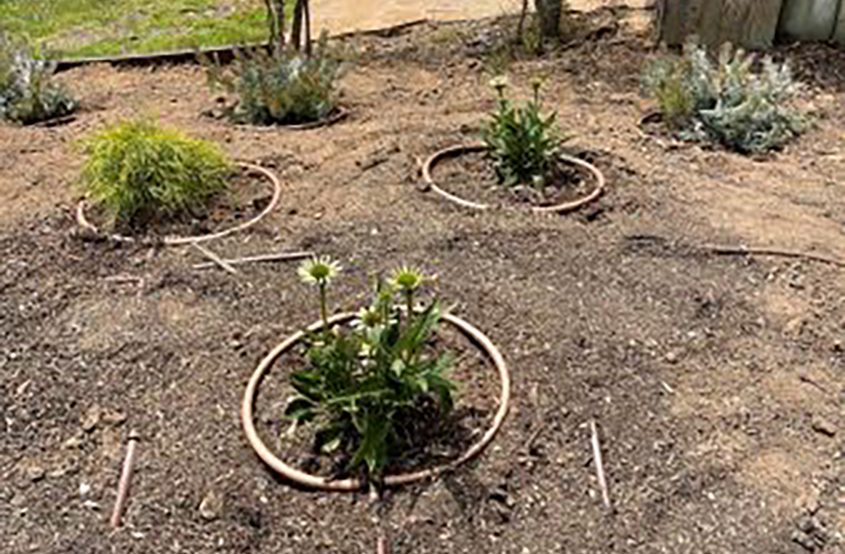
column 748, row 23
column 808, row 19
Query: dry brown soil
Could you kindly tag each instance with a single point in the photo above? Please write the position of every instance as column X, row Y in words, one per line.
column 717, row 382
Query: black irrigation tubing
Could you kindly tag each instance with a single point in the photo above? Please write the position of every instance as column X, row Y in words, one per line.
column 223, row 54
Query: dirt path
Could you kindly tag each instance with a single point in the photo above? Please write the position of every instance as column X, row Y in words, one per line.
column 344, row 16
column 338, row 16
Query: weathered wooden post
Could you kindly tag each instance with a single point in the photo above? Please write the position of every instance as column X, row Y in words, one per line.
column 747, row 23
column 809, row 19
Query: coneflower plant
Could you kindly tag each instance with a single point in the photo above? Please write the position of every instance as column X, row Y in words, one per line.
column 365, row 384
column 523, row 143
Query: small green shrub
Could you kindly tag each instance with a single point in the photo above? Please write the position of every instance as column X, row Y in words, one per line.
column 27, row 92
column 282, row 87
column 726, row 102
column 366, row 385
column 523, row 143
column 137, row 171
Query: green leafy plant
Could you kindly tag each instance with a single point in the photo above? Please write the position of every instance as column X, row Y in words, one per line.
column 282, row 87
column 366, row 384
column 28, row 93
column 523, row 143
column 726, row 101
column 137, row 170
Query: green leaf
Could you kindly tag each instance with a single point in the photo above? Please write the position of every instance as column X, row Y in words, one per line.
column 372, row 449
column 330, row 438
column 300, row 409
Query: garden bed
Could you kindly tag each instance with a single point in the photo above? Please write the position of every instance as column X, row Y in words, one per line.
column 469, row 179
column 715, row 381
column 434, row 446
column 252, row 194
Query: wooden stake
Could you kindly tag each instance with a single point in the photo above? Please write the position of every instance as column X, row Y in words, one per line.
column 214, row 258
column 605, row 495
column 280, row 257
column 125, row 479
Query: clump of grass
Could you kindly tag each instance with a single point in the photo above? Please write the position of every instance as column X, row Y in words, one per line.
column 28, row 93
column 726, row 101
column 282, row 87
column 138, row 171
column 366, row 385
column 523, row 143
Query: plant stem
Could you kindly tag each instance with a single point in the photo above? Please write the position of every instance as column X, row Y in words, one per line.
column 409, row 302
column 324, row 312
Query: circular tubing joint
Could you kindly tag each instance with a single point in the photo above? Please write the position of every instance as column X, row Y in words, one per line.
column 352, row 484
column 461, row 149
column 176, row 240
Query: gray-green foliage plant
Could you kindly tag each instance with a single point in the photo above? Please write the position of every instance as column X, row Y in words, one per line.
column 28, row 93
column 137, row 171
column 367, row 385
column 726, row 101
column 523, row 143
column 279, row 87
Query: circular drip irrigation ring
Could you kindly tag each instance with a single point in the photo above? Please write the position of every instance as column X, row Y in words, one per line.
column 176, row 240
column 335, row 116
column 461, row 149
column 353, row 484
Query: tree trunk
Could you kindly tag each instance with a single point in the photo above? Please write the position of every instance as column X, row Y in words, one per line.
column 276, row 23
column 301, row 26
column 549, row 13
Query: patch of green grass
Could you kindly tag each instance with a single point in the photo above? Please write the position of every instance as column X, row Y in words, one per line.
column 73, row 28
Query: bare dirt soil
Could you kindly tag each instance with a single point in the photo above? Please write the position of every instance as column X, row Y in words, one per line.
column 717, row 382
column 473, row 177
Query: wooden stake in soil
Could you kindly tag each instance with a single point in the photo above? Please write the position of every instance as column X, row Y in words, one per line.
column 381, row 545
column 279, row 257
column 125, row 479
column 214, row 258
column 594, row 439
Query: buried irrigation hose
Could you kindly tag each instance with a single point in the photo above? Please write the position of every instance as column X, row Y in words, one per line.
column 461, row 149
column 739, row 250
column 352, row 484
column 725, row 250
column 338, row 114
column 176, row 240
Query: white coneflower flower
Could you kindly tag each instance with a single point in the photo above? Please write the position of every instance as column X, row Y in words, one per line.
column 319, row 270
column 499, row 82
column 368, row 318
column 406, row 279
